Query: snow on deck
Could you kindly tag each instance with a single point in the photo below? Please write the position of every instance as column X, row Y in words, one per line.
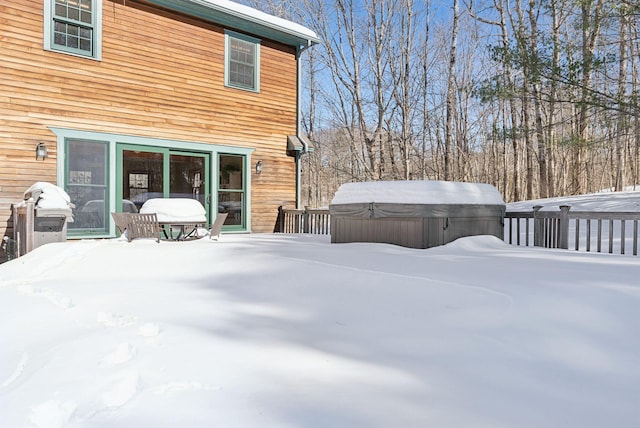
column 418, row 192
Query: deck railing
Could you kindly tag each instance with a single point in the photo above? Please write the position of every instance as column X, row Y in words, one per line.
column 313, row 221
column 600, row 231
column 612, row 232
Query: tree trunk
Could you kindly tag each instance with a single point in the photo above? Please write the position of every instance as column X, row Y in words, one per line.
column 451, row 96
column 543, row 188
column 591, row 12
column 622, row 128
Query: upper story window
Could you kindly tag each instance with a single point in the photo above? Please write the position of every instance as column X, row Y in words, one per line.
column 74, row 27
column 242, row 62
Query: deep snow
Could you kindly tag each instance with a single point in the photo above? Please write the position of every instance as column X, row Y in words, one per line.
column 418, row 192
column 292, row 331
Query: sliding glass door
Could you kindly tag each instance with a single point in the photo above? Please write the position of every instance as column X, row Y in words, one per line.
column 142, row 171
column 187, row 176
column 146, row 172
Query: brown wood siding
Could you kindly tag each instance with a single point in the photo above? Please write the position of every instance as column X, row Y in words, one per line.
column 161, row 76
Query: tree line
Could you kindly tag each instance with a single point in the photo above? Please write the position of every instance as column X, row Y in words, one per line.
column 538, row 97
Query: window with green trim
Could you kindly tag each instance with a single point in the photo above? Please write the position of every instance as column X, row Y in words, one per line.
column 86, row 182
column 73, row 26
column 242, row 61
column 232, row 189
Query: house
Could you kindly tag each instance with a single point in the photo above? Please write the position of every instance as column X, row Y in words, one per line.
column 135, row 99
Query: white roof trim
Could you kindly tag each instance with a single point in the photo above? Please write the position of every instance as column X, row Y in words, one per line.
column 258, row 17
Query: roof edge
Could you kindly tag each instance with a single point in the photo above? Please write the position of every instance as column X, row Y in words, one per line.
column 233, row 14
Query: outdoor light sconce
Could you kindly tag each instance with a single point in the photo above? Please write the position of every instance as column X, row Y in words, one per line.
column 41, row 151
column 259, row 167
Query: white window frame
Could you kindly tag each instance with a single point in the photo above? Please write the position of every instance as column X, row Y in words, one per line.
column 228, row 36
column 96, row 26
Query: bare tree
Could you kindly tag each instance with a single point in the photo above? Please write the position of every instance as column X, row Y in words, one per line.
column 591, row 19
column 451, row 94
column 402, row 72
column 389, row 95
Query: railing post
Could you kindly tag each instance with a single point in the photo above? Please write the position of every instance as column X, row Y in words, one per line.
column 280, row 221
column 538, row 227
column 305, row 220
column 29, row 229
column 563, row 241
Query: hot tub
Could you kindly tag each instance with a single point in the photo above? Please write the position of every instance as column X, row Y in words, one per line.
column 415, row 214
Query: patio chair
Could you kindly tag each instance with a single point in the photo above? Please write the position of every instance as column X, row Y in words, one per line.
column 143, row 226
column 121, row 220
column 216, row 227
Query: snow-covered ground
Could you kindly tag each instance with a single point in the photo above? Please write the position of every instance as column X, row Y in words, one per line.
column 606, row 201
column 293, row 331
column 601, row 201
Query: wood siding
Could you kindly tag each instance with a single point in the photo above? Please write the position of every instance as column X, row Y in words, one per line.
column 161, row 76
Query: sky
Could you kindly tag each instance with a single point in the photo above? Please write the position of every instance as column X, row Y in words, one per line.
column 269, row 330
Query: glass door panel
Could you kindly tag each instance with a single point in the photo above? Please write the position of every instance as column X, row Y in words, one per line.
column 147, row 172
column 231, row 189
column 143, row 178
column 86, row 178
column 188, row 177
column 233, row 204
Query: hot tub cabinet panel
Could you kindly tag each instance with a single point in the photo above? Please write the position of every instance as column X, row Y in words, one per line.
column 413, row 225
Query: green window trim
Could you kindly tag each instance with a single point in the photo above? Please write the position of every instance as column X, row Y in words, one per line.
column 114, row 140
column 85, row 28
column 80, row 179
column 232, row 189
column 241, row 61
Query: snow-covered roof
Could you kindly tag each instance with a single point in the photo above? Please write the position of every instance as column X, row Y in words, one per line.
column 245, row 18
column 259, row 16
column 418, row 192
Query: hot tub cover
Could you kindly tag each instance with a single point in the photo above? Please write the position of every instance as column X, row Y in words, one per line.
column 418, row 192
column 378, row 199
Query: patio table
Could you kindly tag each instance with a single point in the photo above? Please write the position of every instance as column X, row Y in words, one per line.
column 183, row 215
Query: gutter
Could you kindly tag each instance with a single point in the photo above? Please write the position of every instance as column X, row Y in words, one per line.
column 299, row 53
column 305, row 148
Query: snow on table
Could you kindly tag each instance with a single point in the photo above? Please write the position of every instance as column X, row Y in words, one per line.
column 175, row 210
column 418, row 192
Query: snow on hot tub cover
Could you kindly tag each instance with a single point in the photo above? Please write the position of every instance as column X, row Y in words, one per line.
column 416, row 198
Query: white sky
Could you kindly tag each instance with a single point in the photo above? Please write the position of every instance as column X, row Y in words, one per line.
column 293, row 331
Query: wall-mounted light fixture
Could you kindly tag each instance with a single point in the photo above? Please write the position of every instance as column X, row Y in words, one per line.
column 259, row 167
column 41, row 151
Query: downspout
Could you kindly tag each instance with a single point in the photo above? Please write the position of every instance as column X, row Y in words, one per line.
column 305, row 149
